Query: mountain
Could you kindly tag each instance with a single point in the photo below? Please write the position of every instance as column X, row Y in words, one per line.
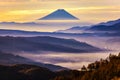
column 20, row 24
column 110, row 23
column 11, row 59
column 59, row 14
column 76, row 29
column 111, row 28
column 7, row 32
column 44, row 43
column 8, row 58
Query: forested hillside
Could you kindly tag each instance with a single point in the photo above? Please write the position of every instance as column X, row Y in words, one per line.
column 108, row 69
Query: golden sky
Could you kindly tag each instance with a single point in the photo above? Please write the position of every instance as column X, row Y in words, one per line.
column 86, row 10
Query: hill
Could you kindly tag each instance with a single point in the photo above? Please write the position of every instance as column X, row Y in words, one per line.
column 44, row 43
column 108, row 69
column 114, row 27
column 110, row 26
column 76, row 29
column 10, row 59
column 25, row 72
column 63, row 33
column 109, row 23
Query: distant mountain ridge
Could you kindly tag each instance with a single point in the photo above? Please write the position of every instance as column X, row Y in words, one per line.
column 105, row 26
column 110, row 26
column 76, row 29
column 110, row 23
column 114, row 27
column 7, row 32
column 59, row 14
column 22, row 24
column 44, row 44
column 94, row 30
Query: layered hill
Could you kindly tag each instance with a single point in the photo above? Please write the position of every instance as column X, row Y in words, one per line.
column 76, row 29
column 11, row 59
column 45, row 43
column 102, row 27
column 25, row 72
column 110, row 26
column 107, row 69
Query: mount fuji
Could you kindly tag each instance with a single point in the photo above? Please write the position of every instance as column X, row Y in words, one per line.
column 59, row 14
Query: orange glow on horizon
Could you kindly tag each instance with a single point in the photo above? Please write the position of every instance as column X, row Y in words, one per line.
column 92, row 11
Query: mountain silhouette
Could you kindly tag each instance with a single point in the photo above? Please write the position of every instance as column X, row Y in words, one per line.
column 44, row 43
column 59, row 14
column 7, row 58
column 75, row 29
column 103, row 28
column 110, row 23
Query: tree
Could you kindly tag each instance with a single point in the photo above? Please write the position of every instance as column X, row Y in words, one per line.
column 83, row 68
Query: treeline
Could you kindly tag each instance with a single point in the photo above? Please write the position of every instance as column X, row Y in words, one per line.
column 108, row 69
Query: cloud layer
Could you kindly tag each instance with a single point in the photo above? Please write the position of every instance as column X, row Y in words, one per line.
column 87, row 10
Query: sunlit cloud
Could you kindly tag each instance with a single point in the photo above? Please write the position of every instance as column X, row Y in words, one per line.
column 86, row 10
column 14, row 0
column 92, row 14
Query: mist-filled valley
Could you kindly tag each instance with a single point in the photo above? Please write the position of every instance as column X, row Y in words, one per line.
column 68, row 50
column 59, row 40
column 77, row 60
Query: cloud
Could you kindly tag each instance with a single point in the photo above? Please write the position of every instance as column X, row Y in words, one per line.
column 86, row 10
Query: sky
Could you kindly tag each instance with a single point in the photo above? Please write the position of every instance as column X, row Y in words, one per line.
column 85, row 10
column 89, row 11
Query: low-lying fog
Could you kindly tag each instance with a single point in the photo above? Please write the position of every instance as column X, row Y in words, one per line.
column 69, row 60
column 101, row 42
column 77, row 60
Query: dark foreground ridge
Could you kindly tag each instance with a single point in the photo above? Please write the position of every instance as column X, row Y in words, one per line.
column 108, row 69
